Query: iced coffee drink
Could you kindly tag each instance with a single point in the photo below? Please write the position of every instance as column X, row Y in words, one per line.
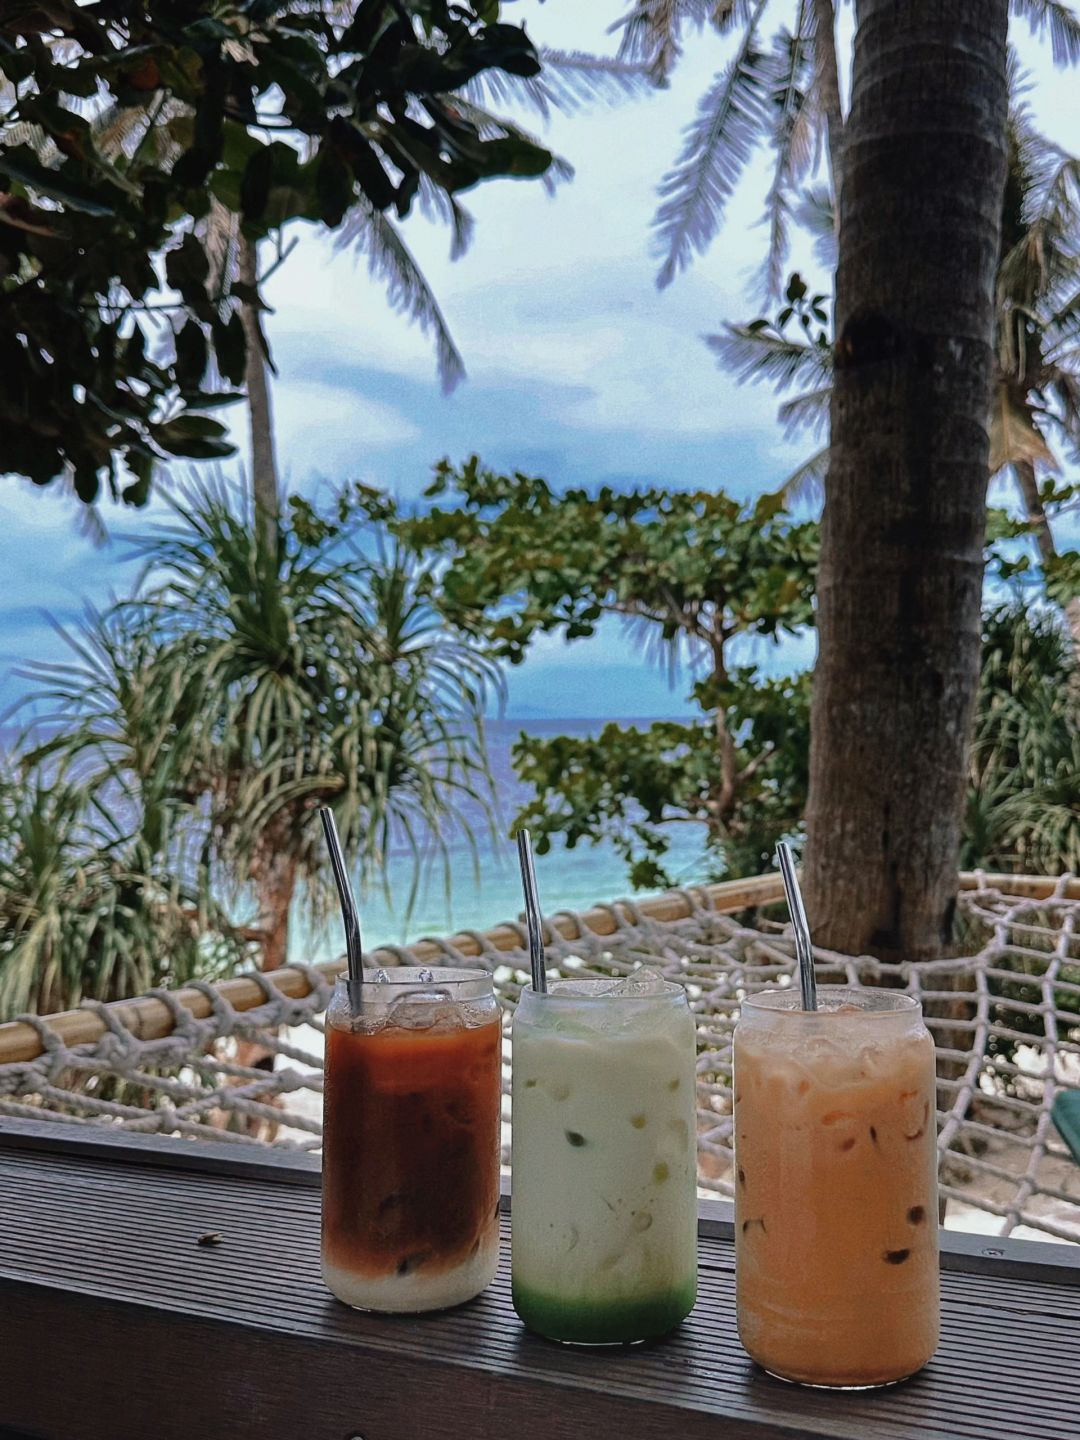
column 604, row 1221
column 836, row 1219
column 412, row 1105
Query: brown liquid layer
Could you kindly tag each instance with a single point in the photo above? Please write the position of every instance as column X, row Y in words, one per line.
column 410, row 1148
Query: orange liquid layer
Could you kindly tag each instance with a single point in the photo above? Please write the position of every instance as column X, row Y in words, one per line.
column 836, row 1213
column 410, row 1148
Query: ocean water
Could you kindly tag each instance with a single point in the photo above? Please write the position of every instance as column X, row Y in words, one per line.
column 566, row 879
column 486, row 890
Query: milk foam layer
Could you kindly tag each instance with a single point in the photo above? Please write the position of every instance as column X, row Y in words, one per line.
column 416, row 1293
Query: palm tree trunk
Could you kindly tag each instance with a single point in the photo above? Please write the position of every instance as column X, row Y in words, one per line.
column 264, row 474
column 901, row 570
column 828, row 82
column 277, row 885
column 1044, row 539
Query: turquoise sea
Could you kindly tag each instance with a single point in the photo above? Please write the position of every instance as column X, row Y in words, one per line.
column 486, row 890
column 566, row 879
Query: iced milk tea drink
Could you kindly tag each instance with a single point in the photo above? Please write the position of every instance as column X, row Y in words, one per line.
column 412, row 1113
column 604, row 1232
column 836, row 1186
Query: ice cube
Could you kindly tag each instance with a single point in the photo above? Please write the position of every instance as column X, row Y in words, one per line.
column 426, row 1010
column 644, row 982
column 871, row 1061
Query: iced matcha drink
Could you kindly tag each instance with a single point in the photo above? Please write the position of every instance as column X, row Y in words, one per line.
column 836, row 1220
column 604, row 1218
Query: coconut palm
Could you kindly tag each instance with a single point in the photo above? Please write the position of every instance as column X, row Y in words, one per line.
column 243, row 688
column 781, row 92
column 1035, row 415
column 900, row 577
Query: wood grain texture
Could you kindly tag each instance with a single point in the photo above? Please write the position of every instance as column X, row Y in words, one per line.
column 116, row 1325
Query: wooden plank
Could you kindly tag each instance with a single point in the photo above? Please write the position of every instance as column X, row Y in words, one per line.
column 1048, row 1262
column 149, row 1019
column 100, row 1255
column 1025, row 887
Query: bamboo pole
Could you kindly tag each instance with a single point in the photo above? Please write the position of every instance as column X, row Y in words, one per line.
column 150, row 1019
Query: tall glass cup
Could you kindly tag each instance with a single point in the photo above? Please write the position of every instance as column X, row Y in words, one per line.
column 412, row 1112
column 836, row 1219
column 604, row 1233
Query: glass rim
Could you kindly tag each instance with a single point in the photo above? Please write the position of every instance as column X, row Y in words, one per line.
column 670, row 989
column 788, row 1001
column 415, row 977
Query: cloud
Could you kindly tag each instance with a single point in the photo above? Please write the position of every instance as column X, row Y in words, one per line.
column 329, row 428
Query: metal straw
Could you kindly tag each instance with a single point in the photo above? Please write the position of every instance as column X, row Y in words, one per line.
column 803, row 948
column 354, row 949
column 532, row 914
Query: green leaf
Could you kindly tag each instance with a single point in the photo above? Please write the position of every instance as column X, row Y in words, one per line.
column 333, row 187
column 192, row 354
column 230, row 347
column 22, row 165
column 210, row 399
column 187, row 269
column 255, row 186
column 365, row 162
column 195, row 436
column 141, row 465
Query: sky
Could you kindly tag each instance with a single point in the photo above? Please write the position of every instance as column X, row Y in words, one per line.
column 579, row 369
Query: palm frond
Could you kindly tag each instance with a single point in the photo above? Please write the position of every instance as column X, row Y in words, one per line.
column 815, row 213
column 373, row 234
column 795, row 133
column 758, row 352
column 808, row 411
column 220, row 235
column 1057, row 20
column 495, row 127
column 1015, row 436
column 570, row 81
column 438, row 204
column 807, row 482
column 651, row 32
column 119, row 129
column 731, row 121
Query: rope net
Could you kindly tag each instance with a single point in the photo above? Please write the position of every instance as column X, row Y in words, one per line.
column 1005, row 1016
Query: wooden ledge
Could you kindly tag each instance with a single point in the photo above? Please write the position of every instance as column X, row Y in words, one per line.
column 115, row 1324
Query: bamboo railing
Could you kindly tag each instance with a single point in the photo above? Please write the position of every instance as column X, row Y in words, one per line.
column 149, row 1019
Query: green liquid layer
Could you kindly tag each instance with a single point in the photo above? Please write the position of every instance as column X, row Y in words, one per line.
column 584, row 1322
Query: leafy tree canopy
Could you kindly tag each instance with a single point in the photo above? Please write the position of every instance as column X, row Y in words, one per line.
column 694, row 574
column 279, row 110
column 696, row 566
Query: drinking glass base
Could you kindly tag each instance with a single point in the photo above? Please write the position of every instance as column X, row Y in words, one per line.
column 819, row 1385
